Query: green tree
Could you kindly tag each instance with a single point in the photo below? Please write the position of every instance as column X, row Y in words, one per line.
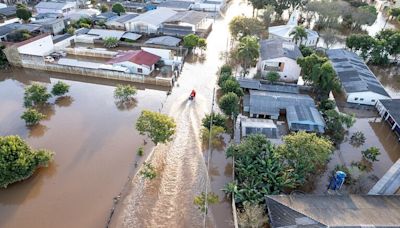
column 103, row 8
column 191, row 41
column 248, row 51
column 215, row 136
column 202, row 44
column 3, row 57
column 307, row 64
column 257, row 5
column 158, row 127
column 125, row 92
column 306, row 51
column 110, row 42
column 217, row 120
column 335, row 125
column 357, row 139
column 298, row 34
column 23, row 12
column 226, row 69
column 60, row 88
column 18, row 161
column 371, row 154
column 35, row 94
column 223, row 77
column 360, row 42
column 273, row 76
column 241, row 26
column 71, row 30
column 118, row 8
column 305, row 153
column 32, row 117
column 232, row 86
column 252, row 216
column 229, row 104
column 326, row 105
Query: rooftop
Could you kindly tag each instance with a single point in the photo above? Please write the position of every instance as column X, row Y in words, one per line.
column 8, row 11
column 393, row 107
column 333, row 210
column 285, row 30
column 277, row 48
column 124, row 18
column 257, row 85
column 47, row 21
column 52, row 5
column 354, row 75
column 164, row 40
column 105, row 33
column 59, row 38
column 155, row 17
column 186, row 5
column 191, row 17
column 138, row 57
column 5, row 29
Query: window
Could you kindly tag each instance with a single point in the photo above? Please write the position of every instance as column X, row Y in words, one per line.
column 373, row 100
column 356, row 98
column 139, row 70
column 361, row 99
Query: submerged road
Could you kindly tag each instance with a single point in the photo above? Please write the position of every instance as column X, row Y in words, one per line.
column 167, row 201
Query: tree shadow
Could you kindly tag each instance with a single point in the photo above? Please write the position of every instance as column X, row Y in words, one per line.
column 46, row 109
column 37, row 131
column 64, row 101
column 126, row 105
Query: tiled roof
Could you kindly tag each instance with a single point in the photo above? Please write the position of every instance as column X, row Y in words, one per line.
column 138, row 57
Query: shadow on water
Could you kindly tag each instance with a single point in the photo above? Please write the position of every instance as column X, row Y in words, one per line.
column 64, row 101
column 126, row 105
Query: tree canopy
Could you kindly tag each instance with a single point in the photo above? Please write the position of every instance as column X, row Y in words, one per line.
column 124, row 92
column 35, row 94
column 158, row 127
column 241, row 26
column 32, row 117
column 273, row 76
column 231, row 85
column 217, row 120
column 118, row 8
column 18, row 161
column 23, row 12
column 60, row 88
column 194, row 41
column 229, row 104
column 298, row 34
column 248, row 52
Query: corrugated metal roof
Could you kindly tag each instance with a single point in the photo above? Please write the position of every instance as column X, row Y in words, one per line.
column 164, row 40
column 51, row 5
column 8, row 11
column 131, row 36
column 176, row 4
column 393, row 107
column 191, row 17
column 155, row 17
column 276, row 48
column 354, row 75
column 105, row 33
column 257, row 85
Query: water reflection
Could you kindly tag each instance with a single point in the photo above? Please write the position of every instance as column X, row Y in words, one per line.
column 126, row 105
column 37, row 131
column 64, row 101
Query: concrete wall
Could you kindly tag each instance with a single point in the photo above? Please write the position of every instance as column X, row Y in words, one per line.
column 91, row 52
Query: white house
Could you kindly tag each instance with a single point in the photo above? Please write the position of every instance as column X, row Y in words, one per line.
column 283, row 32
column 138, row 62
column 358, row 82
column 40, row 45
column 56, row 7
column 150, row 21
column 280, row 56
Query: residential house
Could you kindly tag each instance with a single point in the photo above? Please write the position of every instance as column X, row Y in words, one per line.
column 280, row 56
column 176, row 5
column 299, row 109
column 48, row 15
column 358, row 82
column 8, row 29
column 248, row 84
column 64, row 8
column 138, row 62
column 51, row 25
column 8, row 13
column 389, row 110
column 283, row 32
column 120, row 21
column 184, row 23
column 208, row 6
column 250, row 126
column 136, row 7
column 149, row 22
column 333, row 211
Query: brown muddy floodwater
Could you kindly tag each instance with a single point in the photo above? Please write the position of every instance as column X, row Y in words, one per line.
column 95, row 146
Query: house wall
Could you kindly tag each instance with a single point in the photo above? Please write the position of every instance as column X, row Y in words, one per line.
column 55, row 28
column 365, row 98
column 40, row 47
column 141, row 27
column 290, row 71
column 64, row 43
column 134, row 68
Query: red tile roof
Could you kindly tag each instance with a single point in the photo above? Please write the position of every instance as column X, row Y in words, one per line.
column 138, row 57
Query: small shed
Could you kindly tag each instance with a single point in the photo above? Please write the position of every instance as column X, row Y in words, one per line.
column 138, row 62
column 258, row 126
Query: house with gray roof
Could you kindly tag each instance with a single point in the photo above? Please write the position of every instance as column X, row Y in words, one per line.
column 176, row 5
column 247, row 84
column 300, row 110
column 358, row 82
column 278, row 55
column 318, row 211
column 104, row 17
column 164, row 41
column 150, row 21
column 51, row 25
column 6, row 31
column 64, row 7
column 389, row 110
column 184, row 23
column 8, row 12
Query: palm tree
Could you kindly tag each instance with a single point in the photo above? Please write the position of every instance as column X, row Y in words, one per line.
column 248, row 51
column 298, row 34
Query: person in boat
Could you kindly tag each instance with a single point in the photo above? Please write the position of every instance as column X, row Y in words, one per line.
column 193, row 94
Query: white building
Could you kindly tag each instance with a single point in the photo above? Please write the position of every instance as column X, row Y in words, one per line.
column 358, row 82
column 283, row 32
column 150, row 21
column 56, row 7
column 137, row 62
column 277, row 55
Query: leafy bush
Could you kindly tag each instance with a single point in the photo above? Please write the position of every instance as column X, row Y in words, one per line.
column 110, row 42
column 118, row 8
column 18, row 161
column 231, row 85
column 148, row 171
column 140, row 151
column 357, row 139
column 226, row 69
column 125, row 92
column 224, row 77
column 32, row 117
column 229, row 104
column 215, row 135
column 60, row 88
column 24, row 13
column 217, row 120
column 371, row 154
column 306, row 51
column 336, row 124
column 35, row 94
column 273, row 76
column 326, row 105
column 71, row 31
